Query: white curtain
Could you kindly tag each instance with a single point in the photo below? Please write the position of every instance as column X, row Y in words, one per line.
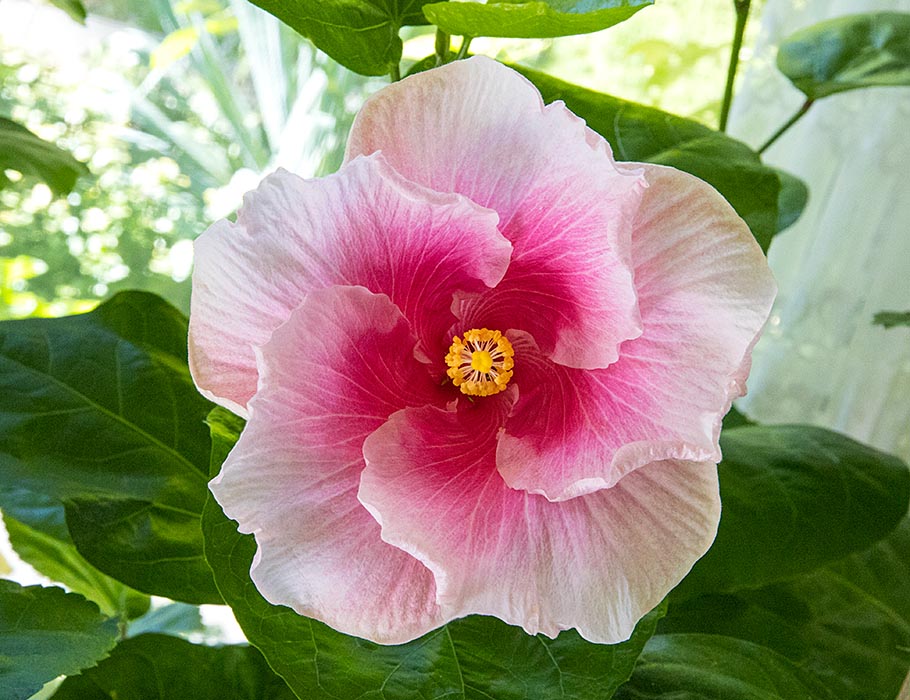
column 821, row 360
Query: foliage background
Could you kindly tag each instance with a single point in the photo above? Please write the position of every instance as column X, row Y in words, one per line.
column 178, row 107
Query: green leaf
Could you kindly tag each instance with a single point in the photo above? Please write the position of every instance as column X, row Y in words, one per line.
column 475, row 657
column 46, row 632
column 847, row 53
column 639, row 133
column 683, row 666
column 795, row 498
column 792, row 200
column 890, row 319
column 847, row 623
column 531, row 19
column 24, row 152
column 99, row 411
column 360, row 34
column 74, row 8
column 37, row 531
column 159, row 667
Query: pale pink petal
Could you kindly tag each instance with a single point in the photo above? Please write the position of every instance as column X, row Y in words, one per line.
column 330, row 376
column 597, row 563
column 480, row 129
column 366, row 226
column 705, row 291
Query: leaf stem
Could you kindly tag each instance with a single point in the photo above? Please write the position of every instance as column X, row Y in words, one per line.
column 787, row 124
column 442, row 47
column 395, row 73
column 742, row 15
column 465, row 45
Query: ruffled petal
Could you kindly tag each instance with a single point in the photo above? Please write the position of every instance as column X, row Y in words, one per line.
column 705, row 291
column 480, row 129
column 332, row 374
column 366, row 226
column 597, row 563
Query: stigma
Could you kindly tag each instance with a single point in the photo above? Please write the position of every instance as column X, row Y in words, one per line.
column 481, row 363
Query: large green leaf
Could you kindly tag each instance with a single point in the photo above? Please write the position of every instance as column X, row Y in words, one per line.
column 639, row 133
column 476, row 657
column 99, row 412
column 847, row 623
column 37, row 531
column 46, row 632
column 159, row 667
column 531, row 18
column 795, row 498
column 24, row 152
column 702, row 666
column 360, row 34
column 847, row 53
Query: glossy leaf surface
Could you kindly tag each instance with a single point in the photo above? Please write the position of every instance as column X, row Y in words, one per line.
column 846, row 53
column 98, row 411
column 536, row 19
column 796, row 497
column 847, row 623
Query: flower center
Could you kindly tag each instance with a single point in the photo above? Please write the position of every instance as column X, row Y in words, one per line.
column 481, row 364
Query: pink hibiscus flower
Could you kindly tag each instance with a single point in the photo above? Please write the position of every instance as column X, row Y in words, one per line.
column 484, row 367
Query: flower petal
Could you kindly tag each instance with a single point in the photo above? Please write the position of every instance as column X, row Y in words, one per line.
column 597, row 563
column 480, row 129
column 705, row 291
column 331, row 375
column 365, row 226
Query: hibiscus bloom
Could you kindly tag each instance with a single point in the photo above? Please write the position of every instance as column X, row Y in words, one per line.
column 484, row 367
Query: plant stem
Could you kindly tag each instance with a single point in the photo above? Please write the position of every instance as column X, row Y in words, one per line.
column 465, row 45
column 787, row 124
column 395, row 73
column 442, row 47
column 742, row 14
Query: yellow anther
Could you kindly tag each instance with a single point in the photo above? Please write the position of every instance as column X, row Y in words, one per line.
column 480, row 364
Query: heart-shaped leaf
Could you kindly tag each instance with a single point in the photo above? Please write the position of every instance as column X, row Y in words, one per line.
column 846, row 53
